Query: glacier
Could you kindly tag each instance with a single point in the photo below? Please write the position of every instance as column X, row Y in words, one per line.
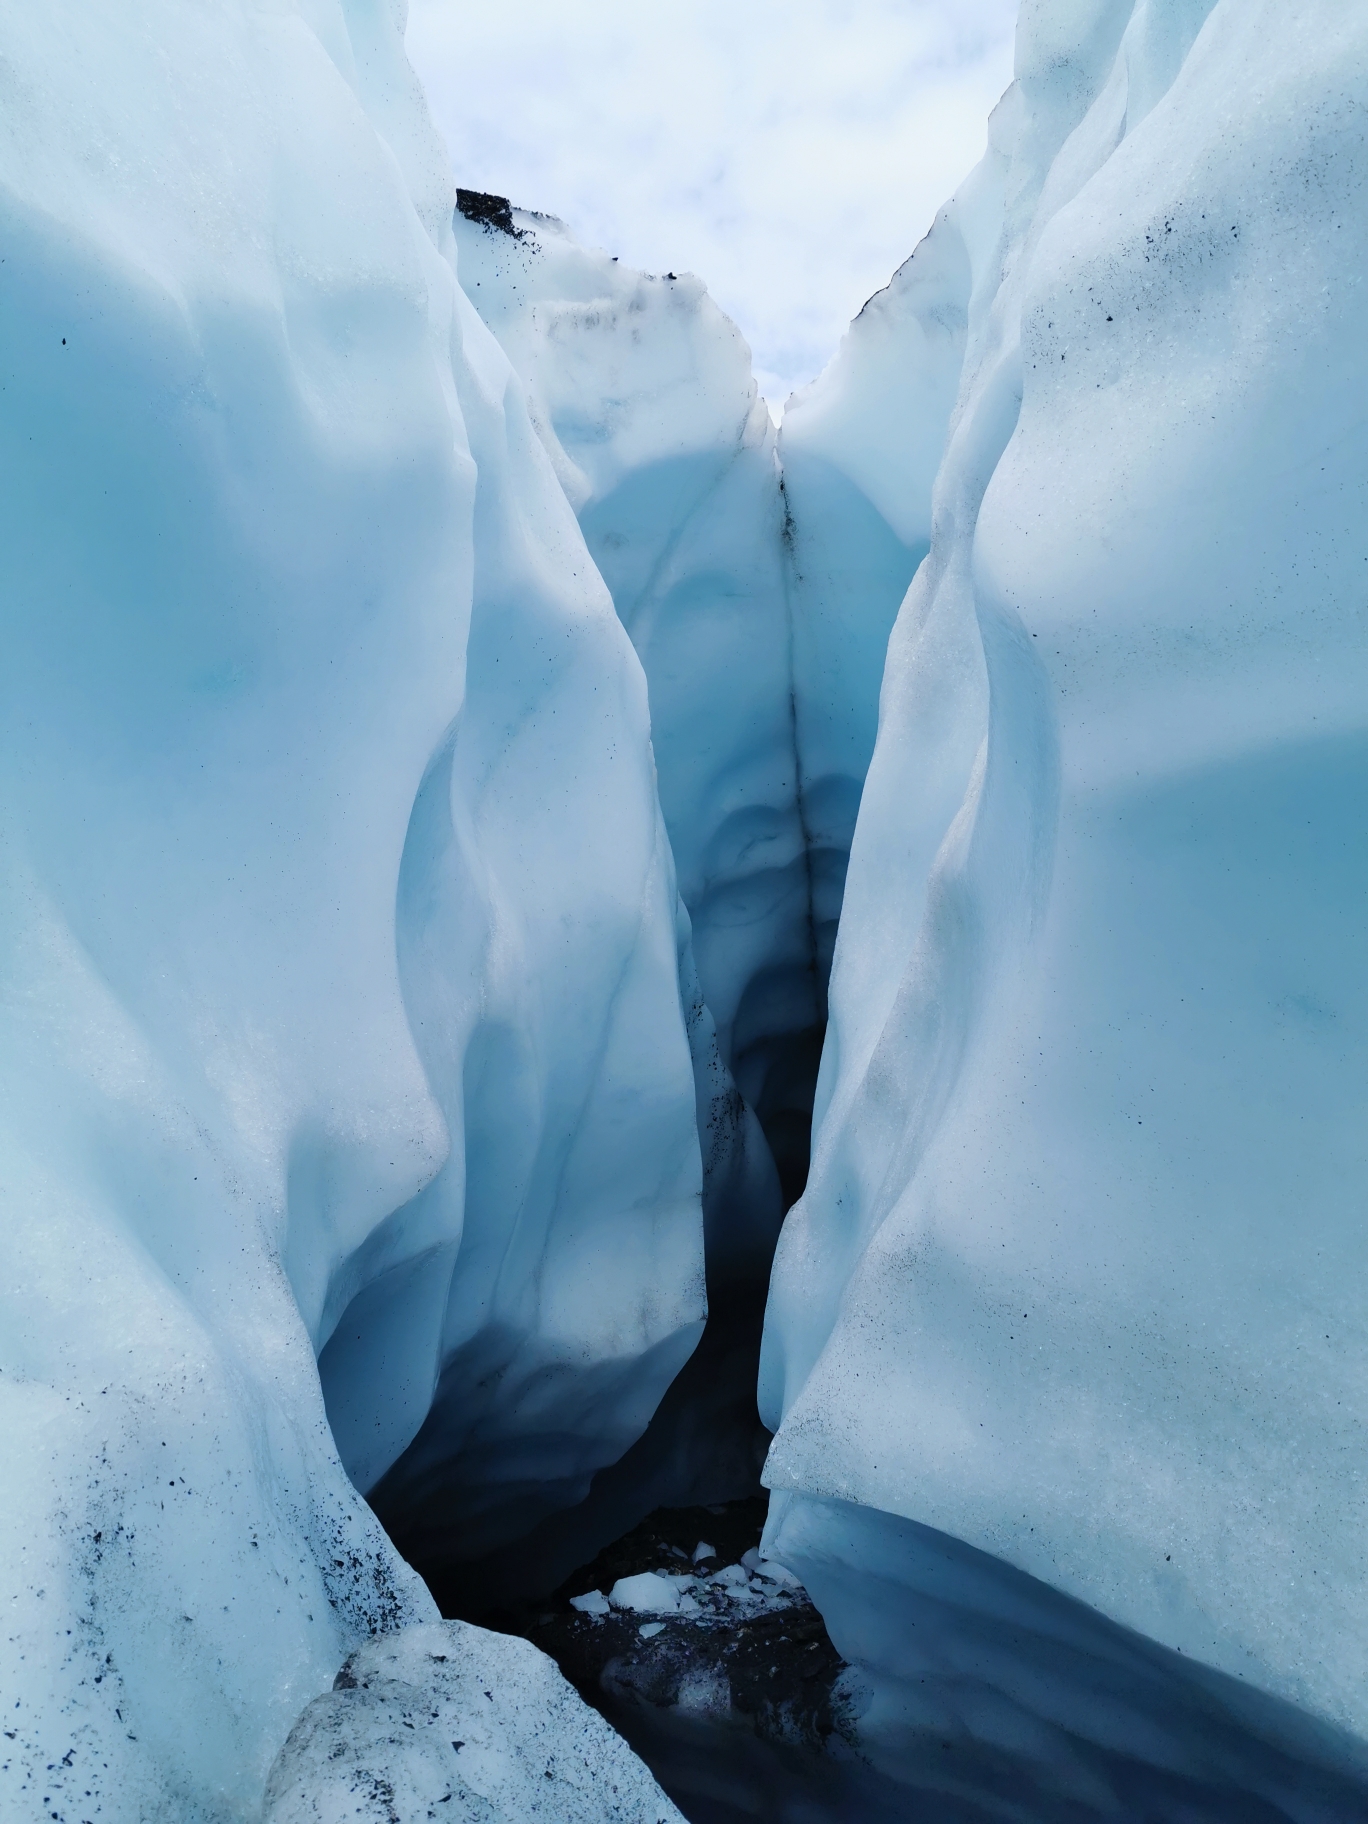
column 490, row 821
column 341, row 1007
column 1072, row 1303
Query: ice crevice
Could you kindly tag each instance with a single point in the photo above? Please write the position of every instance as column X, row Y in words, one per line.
column 642, row 396
column 580, row 974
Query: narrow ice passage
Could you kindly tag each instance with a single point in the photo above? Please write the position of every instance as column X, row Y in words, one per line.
column 758, row 589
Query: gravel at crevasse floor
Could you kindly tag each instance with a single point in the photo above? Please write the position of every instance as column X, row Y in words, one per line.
column 716, row 1667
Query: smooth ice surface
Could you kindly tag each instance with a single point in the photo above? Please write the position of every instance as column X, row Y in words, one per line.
column 981, row 1694
column 339, row 995
column 448, row 1722
column 1078, row 1275
column 859, row 450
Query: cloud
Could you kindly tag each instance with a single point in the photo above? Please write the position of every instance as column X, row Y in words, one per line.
column 790, row 152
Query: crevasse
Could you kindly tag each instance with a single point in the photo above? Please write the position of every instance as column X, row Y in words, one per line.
column 437, row 712
column 757, row 581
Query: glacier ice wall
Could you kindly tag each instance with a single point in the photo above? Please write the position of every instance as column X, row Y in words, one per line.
column 858, row 452
column 642, row 393
column 758, row 577
column 340, row 1005
column 1077, row 1277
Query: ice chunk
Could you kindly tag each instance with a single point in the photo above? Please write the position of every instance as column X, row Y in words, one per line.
column 774, row 1572
column 730, row 1577
column 446, row 1715
column 593, row 1602
column 649, row 1629
column 703, row 1550
column 647, row 1593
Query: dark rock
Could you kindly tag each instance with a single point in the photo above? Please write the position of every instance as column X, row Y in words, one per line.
column 489, row 211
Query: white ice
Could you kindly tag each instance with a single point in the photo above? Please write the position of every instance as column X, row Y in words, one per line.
column 339, row 997
column 1078, row 1275
column 648, row 1593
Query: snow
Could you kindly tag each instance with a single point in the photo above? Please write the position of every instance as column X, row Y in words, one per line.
column 1076, row 1277
column 340, row 1012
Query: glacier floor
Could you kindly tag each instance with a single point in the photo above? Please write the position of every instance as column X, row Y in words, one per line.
column 716, row 1667
column 728, row 1698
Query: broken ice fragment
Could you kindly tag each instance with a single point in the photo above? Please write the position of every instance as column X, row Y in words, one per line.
column 774, row 1572
column 593, row 1602
column 730, row 1577
column 647, row 1593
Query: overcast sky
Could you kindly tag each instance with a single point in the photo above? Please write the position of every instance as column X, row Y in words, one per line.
column 790, row 152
